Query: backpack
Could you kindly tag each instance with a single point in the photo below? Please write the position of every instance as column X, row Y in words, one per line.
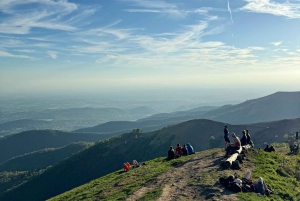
column 232, row 186
column 226, row 181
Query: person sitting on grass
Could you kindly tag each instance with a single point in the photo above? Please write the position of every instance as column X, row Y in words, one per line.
column 184, row 151
column 244, row 138
column 266, row 148
column 249, row 138
column 135, row 164
column 178, row 151
column 126, row 167
column 171, row 153
column 190, row 148
column 271, row 149
column 233, row 147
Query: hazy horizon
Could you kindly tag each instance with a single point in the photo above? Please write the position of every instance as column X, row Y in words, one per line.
column 76, row 47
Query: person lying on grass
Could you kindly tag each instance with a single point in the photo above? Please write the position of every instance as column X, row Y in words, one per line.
column 260, row 185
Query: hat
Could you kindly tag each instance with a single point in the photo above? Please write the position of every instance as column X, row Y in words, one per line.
column 225, row 125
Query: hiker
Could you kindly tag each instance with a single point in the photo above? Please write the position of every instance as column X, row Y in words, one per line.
column 249, row 141
column 248, row 137
column 260, row 185
column 135, row 164
column 126, row 167
column 244, row 138
column 190, row 148
column 178, row 151
column 266, row 148
column 226, row 137
column 235, row 146
column 271, row 149
column 184, row 151
column 171, row 153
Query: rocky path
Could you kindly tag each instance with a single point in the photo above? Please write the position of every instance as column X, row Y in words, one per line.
column 197, row 179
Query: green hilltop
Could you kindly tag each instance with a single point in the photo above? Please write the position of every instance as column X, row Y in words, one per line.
column 108, row 155
column 194, row 177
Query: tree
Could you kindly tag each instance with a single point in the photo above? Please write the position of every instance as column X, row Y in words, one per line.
column 212, row 142
column 137, row 130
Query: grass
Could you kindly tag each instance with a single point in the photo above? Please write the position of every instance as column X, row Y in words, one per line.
column 281, row 173
column 118, row 185
column 151, row 195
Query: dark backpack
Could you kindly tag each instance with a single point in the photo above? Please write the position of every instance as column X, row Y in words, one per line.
column 232, row 186
column 226, row 181
column 248, row 188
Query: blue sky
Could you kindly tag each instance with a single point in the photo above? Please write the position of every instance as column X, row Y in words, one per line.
column 49, row 45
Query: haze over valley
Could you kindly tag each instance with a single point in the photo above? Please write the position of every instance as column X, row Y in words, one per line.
column 86, row 86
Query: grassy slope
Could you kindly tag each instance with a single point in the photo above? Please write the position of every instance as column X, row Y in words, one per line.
column 43, row 158
column 280, row 171
column 117, row 185
column 108, row 156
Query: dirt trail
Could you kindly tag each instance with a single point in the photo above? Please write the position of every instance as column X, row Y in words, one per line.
column 197, row 179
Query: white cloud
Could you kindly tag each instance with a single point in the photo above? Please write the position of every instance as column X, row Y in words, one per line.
column 7, row 54
column 26, row 51
column 47, row 14
column 276, row 43
column 256, row 48
column 52, row 54
column 286, row 9
column 229, row 10
column 154, row 6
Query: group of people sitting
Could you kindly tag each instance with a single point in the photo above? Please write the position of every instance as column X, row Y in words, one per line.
column 237, row 143
column 246, row 184
column 269, row 148
column 180, row 151
column 135, row 164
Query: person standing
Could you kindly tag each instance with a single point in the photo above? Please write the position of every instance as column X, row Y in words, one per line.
column 226, row 136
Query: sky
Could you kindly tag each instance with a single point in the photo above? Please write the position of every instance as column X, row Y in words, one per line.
column 107, row 45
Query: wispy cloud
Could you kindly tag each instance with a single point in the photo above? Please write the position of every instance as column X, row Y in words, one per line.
column 229, row 10
column 276, row 43
column 26, row 51
column 7, row 54
column 52, row 54
column 287, row 9
column 48, row 14
column 155, row 7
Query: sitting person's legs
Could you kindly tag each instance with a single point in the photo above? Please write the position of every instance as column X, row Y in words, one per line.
column 231, row 148
column 248, row 176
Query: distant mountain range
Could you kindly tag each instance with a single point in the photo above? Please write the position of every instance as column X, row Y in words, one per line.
column 277, row 106
column 68, row 119
column 109, row 155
